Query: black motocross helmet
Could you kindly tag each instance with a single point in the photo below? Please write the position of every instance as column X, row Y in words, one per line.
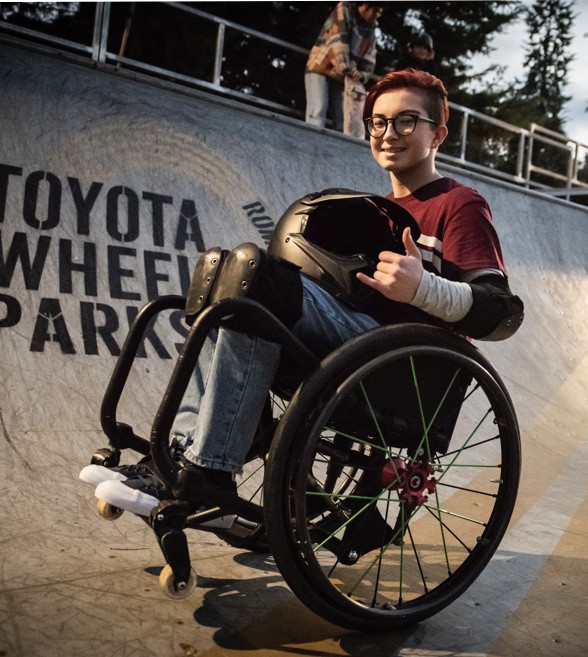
column 333, row 234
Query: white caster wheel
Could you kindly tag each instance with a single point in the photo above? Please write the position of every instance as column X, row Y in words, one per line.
column 166, row 581
column 108, row 511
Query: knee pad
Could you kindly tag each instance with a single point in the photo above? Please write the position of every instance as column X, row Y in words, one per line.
column 240, row 269
column 203, row 281
column 248, row 271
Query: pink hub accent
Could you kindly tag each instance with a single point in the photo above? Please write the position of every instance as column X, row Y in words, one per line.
column 412, row 480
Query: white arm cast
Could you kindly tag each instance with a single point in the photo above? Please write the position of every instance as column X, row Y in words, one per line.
column 447, row 300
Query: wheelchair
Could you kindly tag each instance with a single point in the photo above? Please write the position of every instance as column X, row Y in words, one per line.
column 382, row 480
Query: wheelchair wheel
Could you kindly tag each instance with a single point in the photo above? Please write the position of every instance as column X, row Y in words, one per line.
column 244, row 534
column 393, row 475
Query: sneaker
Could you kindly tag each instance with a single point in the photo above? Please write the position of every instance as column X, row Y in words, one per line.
column 204, row 485
column 139, row 494
column 95, row 474
column 207, row 488
column 142, row 491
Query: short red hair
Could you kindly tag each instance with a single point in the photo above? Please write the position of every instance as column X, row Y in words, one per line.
column 432, row 89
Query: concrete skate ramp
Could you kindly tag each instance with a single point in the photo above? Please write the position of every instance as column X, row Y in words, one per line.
column 109, row 189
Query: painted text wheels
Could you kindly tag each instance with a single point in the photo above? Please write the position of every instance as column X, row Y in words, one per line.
column 392, row 478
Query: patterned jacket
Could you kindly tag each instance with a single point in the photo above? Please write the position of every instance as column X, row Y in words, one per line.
column 346, row 45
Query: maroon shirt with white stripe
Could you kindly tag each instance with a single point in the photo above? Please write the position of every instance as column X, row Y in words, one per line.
column 457, row 233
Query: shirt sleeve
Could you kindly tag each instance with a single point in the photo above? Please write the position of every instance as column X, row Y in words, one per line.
column 447, row 300
column 470, row 240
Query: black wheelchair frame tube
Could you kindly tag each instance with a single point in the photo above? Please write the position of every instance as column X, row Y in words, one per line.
column 261, row 323
column 120, row 435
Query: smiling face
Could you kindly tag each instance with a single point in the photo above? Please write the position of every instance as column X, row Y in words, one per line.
column 410, row 159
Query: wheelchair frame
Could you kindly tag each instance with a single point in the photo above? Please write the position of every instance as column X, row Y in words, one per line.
column 355, row 468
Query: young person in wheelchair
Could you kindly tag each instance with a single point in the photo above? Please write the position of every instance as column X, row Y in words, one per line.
column 440, row 263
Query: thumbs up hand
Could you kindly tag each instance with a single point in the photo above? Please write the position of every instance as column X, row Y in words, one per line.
column 397, row 276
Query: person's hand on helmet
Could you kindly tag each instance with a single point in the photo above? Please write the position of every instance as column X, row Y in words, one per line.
column 397, row 276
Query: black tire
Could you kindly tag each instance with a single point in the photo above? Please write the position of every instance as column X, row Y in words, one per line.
column 384, row 406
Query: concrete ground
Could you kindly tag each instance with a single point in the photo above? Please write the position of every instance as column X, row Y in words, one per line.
column 74, row 584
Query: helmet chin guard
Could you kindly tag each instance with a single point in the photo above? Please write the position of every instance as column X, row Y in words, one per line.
column 333, row 234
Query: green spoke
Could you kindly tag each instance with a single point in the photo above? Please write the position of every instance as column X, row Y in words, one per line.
column 372, row 500
column 398, row 534
column 418, row 560
column 355, row 439
column 442, row 530
column 462, row 448
column 427, row 428
column 379, row 570
column 401, row 578
column 469, row 490
column 454, row 515
column 342, row 526
column 469, row 465
column 473, row 445
column 371, row 410
column 343, row 496
column 457, row 538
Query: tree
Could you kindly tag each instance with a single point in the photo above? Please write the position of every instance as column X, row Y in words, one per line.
column 549, row 24
column 537, row 98
column 460, row 30
column 547, row 58
column 65, row 20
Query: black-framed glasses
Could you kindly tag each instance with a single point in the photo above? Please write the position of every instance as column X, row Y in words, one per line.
column 403, row 124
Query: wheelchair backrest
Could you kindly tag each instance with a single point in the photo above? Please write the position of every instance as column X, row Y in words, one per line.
column 404, row 402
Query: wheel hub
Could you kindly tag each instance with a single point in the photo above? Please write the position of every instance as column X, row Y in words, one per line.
column 414, row 480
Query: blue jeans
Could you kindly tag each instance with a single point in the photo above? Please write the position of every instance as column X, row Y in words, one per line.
column 323, row 95
column 222, row 405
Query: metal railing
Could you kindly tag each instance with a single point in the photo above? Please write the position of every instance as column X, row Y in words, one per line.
column 480, row 142
column 560, row 142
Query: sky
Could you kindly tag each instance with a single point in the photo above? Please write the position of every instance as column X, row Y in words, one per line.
column 510, row 53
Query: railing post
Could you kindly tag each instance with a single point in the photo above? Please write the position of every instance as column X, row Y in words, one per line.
column 100, row 36
column 97, row 30
column 530, row 155
column 218, row 56
column 520, row 156
column 570, row 174
column 576, row 161
column 464, row 135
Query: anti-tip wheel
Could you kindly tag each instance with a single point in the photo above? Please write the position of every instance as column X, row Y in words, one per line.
column 108, row 511
column 167, row 583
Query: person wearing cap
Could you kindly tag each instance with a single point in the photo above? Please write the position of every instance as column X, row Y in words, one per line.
column 419, row 54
